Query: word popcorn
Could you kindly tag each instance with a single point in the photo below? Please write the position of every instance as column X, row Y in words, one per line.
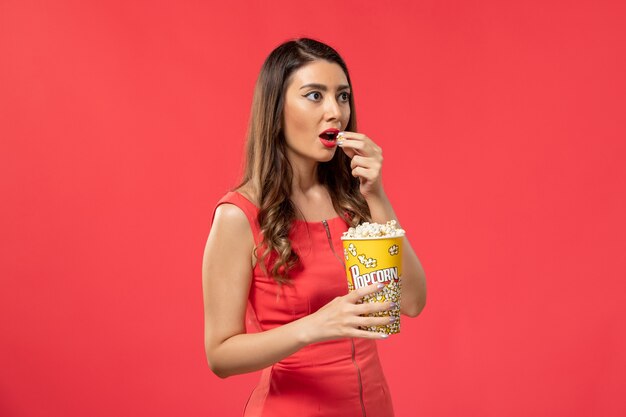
column 381, row 276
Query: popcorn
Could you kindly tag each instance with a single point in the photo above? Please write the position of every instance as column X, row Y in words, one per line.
column 369, row 230
column 373, row 254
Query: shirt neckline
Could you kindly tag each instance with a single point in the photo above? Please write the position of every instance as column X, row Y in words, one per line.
column 332, row 219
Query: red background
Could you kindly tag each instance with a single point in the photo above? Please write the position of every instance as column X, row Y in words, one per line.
column 122, row 123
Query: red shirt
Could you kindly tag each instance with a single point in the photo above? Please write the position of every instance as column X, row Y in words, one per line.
column 342, row 377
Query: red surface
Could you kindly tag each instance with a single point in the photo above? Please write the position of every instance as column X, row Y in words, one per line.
column 122, row 123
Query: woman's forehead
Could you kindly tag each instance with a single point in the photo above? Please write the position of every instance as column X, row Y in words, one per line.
column 322, row 72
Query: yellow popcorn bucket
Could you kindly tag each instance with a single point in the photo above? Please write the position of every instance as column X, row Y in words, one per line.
column 372, row 260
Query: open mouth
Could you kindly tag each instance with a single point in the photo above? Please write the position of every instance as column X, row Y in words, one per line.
column 329, row 138
column 329, row 135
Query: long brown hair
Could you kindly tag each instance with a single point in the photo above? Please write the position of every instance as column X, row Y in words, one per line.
column 267, row 169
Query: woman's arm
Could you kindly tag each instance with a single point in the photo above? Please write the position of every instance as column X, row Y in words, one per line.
column 226, row 279
column 366, row 164
column 413, row 277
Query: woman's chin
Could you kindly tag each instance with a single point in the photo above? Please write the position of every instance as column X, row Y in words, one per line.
column 328, row 155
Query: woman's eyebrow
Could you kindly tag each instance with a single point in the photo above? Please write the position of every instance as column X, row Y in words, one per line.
column 323, row 87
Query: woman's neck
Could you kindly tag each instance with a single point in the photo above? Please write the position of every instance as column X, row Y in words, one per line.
column 304, row 177
column 304, row 183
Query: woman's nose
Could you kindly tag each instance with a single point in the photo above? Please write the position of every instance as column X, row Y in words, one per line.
column 333, row 109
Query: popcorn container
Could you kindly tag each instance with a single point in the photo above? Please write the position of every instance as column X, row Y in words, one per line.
column 371, row 260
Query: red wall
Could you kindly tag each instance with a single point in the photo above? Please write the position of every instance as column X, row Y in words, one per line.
column 122, row 123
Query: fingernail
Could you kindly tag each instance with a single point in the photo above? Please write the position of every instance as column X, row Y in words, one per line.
column 393, row 319
column 394, row 305
column 383, row 335
column 379, row 286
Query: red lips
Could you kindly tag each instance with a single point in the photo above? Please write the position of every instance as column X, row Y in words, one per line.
column 329, row 134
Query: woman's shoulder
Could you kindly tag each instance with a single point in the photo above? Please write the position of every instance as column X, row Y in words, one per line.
column 233, row 213
column 237, row 211
column 231, row 231
column 230, row 216
column 248, row 192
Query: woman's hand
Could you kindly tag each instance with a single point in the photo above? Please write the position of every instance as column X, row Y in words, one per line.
column 342, row 317
column 367, row 161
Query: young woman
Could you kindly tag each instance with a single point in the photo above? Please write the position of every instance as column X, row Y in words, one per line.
column 271, row 256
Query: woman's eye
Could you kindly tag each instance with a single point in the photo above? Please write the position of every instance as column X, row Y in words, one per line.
column 345, row 97
column 315, row 95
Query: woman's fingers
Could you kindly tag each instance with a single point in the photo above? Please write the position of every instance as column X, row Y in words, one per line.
column 351, row 318
column 366, row 334
column 365, row 173
column 366, row 160
column 346, row 143
column 352, row 135
column 374, row 321
column 359, row 293
column 358, row 161
column 375, row 307
column 354, row 147
column 354, row 143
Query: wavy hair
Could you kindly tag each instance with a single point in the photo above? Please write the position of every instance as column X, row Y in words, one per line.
column 267, row 169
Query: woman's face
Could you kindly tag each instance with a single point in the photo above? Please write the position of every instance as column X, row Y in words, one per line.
column 317, row 99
